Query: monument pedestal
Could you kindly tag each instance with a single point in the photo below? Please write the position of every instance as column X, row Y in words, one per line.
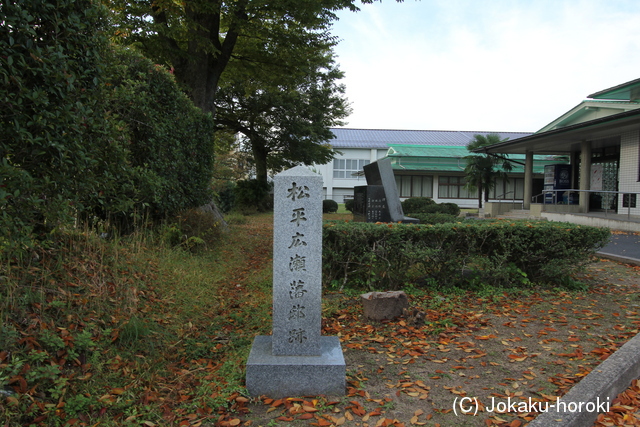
column 285, row 376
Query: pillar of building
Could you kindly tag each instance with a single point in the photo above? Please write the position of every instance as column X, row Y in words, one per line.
column 585, row 175
column 528, row 180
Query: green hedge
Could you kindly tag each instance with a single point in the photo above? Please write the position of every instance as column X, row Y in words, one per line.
column 89, row 131
column 450, row 208
column 418, row 205
column 50, row 70
column 170, row 142
column 434, row 218
column 505, row 253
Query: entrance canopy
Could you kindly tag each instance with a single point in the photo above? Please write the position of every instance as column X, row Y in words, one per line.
column 602, row 133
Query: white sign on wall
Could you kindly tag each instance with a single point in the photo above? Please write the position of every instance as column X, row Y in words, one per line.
column 596, row 177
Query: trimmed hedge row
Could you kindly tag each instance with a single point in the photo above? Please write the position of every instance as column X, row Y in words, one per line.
column 418, row 205
column 434, row 218
column 426, row 205
column 505, row 253
column 445, row 208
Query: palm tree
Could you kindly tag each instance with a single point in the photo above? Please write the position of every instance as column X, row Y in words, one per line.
column 481, row 170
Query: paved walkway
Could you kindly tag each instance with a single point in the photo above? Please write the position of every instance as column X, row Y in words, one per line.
column 623, row 248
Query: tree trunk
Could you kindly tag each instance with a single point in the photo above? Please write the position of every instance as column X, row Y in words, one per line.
column 260, row 154
column 197, row 68
column 200, row 80
column 479, row 194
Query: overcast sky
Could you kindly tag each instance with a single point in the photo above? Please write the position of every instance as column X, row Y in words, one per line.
column 482, row 65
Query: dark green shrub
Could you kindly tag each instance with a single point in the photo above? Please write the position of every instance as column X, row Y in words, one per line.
column 329, row 206
column 349, row 204
column 450, row 208
column 507, row 253
column 428, row 209
column 434, row 218
column 88, row 133
column 417, row 204
column 225, row 198
column 51, row 69
column 253, row 195
column 170, row 141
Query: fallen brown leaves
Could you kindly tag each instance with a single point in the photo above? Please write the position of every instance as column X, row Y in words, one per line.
column 625, row 409
column 527, row 344
column 555, row 338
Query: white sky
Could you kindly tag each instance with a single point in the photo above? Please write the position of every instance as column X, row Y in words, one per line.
column 482, row 65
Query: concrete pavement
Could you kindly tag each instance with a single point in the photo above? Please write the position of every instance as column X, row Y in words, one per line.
column 623, row 248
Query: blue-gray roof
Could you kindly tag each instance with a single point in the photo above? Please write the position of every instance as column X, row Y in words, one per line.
column 380, row 138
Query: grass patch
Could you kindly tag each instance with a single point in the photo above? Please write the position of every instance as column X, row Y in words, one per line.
column 132, row 330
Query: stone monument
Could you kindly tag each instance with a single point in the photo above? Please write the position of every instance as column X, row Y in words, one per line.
column 296, row 360
column 378, row 201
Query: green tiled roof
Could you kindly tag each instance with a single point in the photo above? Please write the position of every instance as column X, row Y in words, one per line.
column 450, row 159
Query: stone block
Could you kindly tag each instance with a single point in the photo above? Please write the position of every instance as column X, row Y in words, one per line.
column 382, row 202
column 381, row 173
column 384, row 305
column 286, row 376
column 297, row 262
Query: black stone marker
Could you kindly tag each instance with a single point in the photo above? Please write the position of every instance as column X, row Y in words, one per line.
column 378, row 201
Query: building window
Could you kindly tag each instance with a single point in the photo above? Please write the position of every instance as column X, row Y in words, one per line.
column 511, row 189
column 414, row 186
column 452, row 187
column 345, row 168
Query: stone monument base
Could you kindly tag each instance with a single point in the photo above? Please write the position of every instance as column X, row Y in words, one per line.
column 288, row 376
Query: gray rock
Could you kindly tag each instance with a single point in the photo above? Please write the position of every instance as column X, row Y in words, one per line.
column 384, row 305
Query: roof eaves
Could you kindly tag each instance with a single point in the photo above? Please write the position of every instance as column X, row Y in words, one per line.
column 614, row 88
column 559, row 131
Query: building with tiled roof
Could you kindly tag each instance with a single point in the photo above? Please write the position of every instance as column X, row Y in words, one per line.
column 381, row 138
column 427, row 163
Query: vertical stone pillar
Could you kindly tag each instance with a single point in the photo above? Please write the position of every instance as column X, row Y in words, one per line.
column 296, row 360
column 297, row 263
column 528, row 180
column 585, row 175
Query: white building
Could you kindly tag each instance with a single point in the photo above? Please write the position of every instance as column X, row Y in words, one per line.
column 359, row 147
column 602, row 137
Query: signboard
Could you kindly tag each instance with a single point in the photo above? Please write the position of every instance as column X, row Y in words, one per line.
column 596, row 177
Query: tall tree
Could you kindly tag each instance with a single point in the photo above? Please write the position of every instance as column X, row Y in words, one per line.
column 285, row 118
column 198, row 38
column 482, row 171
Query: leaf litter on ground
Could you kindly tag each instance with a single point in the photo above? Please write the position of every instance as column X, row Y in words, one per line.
column 198, row 317
column 521, row 345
